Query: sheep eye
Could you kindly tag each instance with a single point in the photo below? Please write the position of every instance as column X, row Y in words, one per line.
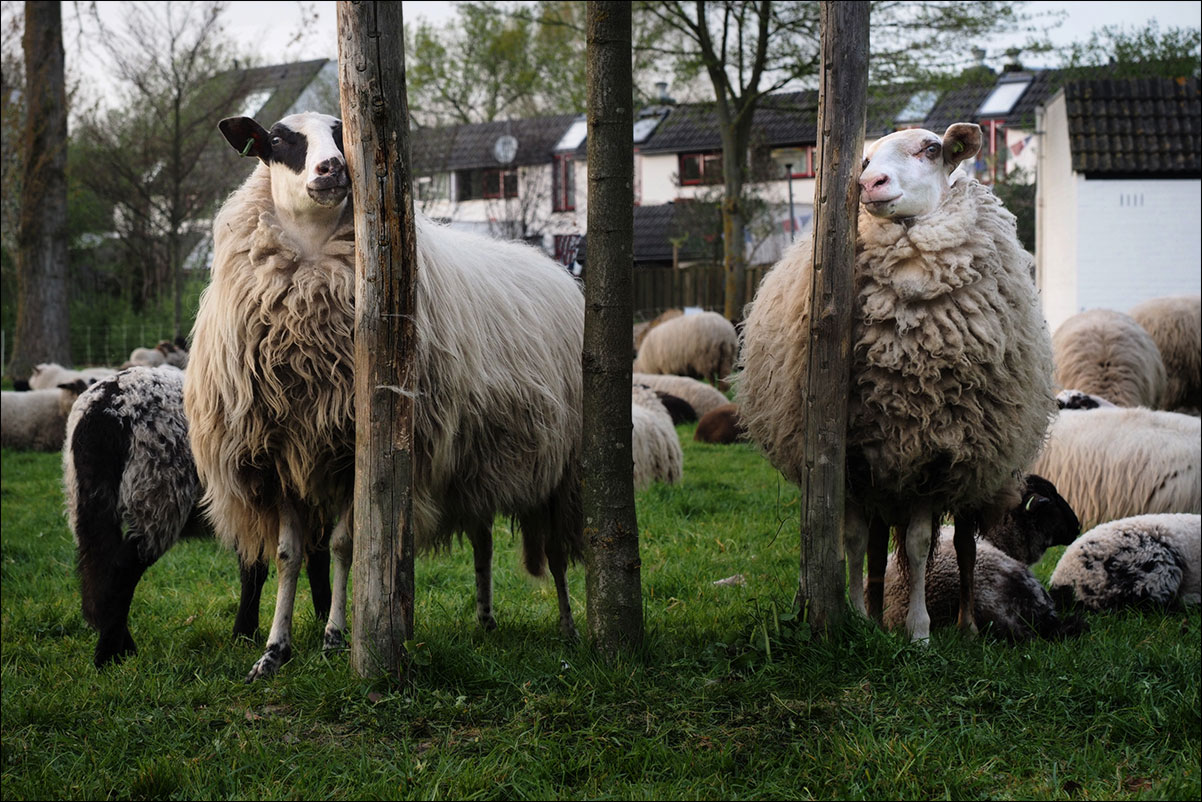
column 275, row 141
column 864, row 164
column 933, row 150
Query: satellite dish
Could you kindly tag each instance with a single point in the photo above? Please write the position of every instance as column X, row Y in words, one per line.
column 505, row 149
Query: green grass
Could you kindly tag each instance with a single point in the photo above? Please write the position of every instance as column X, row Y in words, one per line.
column 728, row 699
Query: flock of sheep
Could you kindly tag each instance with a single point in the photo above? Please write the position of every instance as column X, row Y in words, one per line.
column 953, row 409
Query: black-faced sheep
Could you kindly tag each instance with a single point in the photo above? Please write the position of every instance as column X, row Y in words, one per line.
column 680, row 410
column 1075, row 399
column 655, row 448
column 951, row 366
column 36, row 420
column 1115, row 462
column 48, row 375
column 270, row 393
column 1175, row 324
column 701, row 345
column 130, row 487
column 1104, row 352
column 1151, row 560
column 720, row 425
column 700, row 396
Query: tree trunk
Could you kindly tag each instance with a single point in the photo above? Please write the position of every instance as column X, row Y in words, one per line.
column 841, row 114
column 734, row 219
column 615, row 606
column 375, row 117
column 43, row 331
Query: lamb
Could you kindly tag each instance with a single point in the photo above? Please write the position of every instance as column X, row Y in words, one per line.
column 655, row 447
column 1115, row 462
column 1008, row 598
column 699, row 395
column 127, row 465
column 36, row 420
column 1105, row 352
column 720, row 425
column 701, row 346
column 1175, row 324
column 269, row 392
column 951, row 366
column 1143, row 560
column 47, row 375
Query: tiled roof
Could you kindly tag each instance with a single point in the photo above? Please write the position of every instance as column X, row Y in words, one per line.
column 956, row 106
column 470, row 146
column 285, row 82
column 654, row 228
column 789, row 118
column 1136, row 126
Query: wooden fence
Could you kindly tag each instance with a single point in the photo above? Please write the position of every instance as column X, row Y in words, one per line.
column 660, row 288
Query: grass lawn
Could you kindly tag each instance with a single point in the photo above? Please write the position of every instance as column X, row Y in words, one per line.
column 729, row 699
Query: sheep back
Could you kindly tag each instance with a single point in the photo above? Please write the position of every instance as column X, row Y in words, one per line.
column 36, row 420
column 655, row 447
column 1105, row 352
column 700, row 396
column 1175, row 324
column 701, row 346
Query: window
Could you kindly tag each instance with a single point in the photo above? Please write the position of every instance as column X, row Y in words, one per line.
column 488, row 184
column 805, row 169
column 428, row 188
column 700, row 168
column 563, row 183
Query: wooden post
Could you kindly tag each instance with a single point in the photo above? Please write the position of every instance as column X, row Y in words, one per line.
column 375, row 119
column 841, row 113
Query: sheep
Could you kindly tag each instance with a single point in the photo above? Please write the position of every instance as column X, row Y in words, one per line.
column 36, row 420
column 641, row 329
column 701, row 346
column 951, row 362
column 699, row 395
column 1115, row 462
column 1105, row 352
column 1007, row 596
column 47, row 375
column 1143, row 560
column 1075, row 399
column 655, row 448
column 680, row 410
column 1175, row 324
column 269, row 391
column 720, row 425
column 149, row 357
column 127, row 465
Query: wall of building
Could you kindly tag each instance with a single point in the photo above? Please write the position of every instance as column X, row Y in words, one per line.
column 1056, row 217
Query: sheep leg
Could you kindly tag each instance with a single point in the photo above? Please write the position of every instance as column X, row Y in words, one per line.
column 290, row 553
column 126, row 569
column 878, row 559
column 317, row 567
column 918, row 547
column 481, row 538
column 855, row 542
column 342, row 547
column 252, row 576
column 965, row 542
column 557, row 561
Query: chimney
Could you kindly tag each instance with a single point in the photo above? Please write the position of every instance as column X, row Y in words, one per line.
column 978, row 53
column 1013, row 65
column 664, row 98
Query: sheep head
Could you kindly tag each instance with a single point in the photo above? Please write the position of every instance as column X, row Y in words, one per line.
column 305, row 156
column 907, row 173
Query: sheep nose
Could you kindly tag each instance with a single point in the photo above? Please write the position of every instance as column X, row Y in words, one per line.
column 871, row 182
column 330, row 167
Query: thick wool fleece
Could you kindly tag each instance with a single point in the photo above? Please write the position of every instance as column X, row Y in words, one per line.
column 701, row 346
column 1175, row 324
column 1106, row 353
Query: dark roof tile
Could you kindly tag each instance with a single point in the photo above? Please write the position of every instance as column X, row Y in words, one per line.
column 470, row 146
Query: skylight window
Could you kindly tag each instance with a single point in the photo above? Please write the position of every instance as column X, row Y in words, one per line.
column 919, row 107
column 575, row 134
column 253, row 102
column 645, row 127
column 1002, row 99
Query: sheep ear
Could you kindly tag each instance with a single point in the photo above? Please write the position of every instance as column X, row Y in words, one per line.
column 961, row 141
column 247, row 137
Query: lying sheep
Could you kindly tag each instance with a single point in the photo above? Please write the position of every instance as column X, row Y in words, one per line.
column 1105, row 352
column 1075, row 399
column 701, row 346
column 47, row 375
column 1121, row 461
column 655, row 448
column 720, row 425
column 1141, row 560
column 1175, row 324
column 699, row 395
column 36, row 420
column 680, row 410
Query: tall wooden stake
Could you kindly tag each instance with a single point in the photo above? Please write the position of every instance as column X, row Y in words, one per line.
column 841, row 114
column 375, row 119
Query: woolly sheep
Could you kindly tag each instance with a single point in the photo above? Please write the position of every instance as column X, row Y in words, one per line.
column 641, row 329
column 699, row 395
column 270, row 394
column 51, row 374
column 680, row 410
column 1117, row 462
column 36, row 420
column 654, row 445
column 149, row 357
column 951, row 368
column 701, row 346
column 131, row 488
column 1007, row 596
column 1175, row 324
column 1141, row 560
column 720, row 425
column 1105, row 352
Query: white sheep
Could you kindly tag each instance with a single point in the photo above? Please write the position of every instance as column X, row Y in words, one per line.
column 1115, row 462
column 951, row 368
column 655, row 447
column 700, row 396
column 270, row 394
column 1141, row 560
column 1105, row 352
column 149, row 357
column 47, row 375
column 36, row 420
column 1175, row 324
column 641, row 329
column 701, row 345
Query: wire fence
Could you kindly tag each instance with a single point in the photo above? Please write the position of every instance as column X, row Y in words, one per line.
column 99, row 346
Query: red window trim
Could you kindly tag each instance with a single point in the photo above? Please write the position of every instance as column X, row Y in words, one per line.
column 703, row 156
column 563, row 200
column 809, row 170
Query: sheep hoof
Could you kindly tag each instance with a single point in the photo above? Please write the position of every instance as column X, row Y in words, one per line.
column 487, row 622
column 568, row 630
column 275, row 656
column 333, row 641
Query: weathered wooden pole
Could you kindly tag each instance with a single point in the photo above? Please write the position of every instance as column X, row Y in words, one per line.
column 375, row 120
column 841, row 112
column 614, row 584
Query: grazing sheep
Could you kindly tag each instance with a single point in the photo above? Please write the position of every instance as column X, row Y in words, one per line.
column 1175, row 324
column 270, row 393
column 1007, row 596
column 1075, row 399
column 654, row 445
column 701, row 345
column 1115, row 462
column 48, row 375
column 1142, row 560
column 1106, row 353
column 641, row 329
column 951, row 368
column 720, row 425
column 680, row 410
column 130, row 487
column 36, row 420
column 699, row 395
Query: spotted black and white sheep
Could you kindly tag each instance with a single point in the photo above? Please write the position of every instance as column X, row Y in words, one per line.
column 1105, row 352
column 702, row 345
column 655, row 447
column 720, row 425
column 1175, row 324
column 1144, row 560
column 36, row 420
column 700, row 396
column 951, row 364
column 270, row 394
column 131, row 488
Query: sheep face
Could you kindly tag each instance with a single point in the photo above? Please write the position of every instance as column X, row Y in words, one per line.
column 907, row 173
column 304, row 153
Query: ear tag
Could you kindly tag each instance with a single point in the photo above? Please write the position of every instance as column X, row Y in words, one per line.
column 1030, row 501
column 957, row 147
column 246, row 150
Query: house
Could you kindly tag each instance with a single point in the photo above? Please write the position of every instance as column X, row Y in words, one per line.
column 1119, row 198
